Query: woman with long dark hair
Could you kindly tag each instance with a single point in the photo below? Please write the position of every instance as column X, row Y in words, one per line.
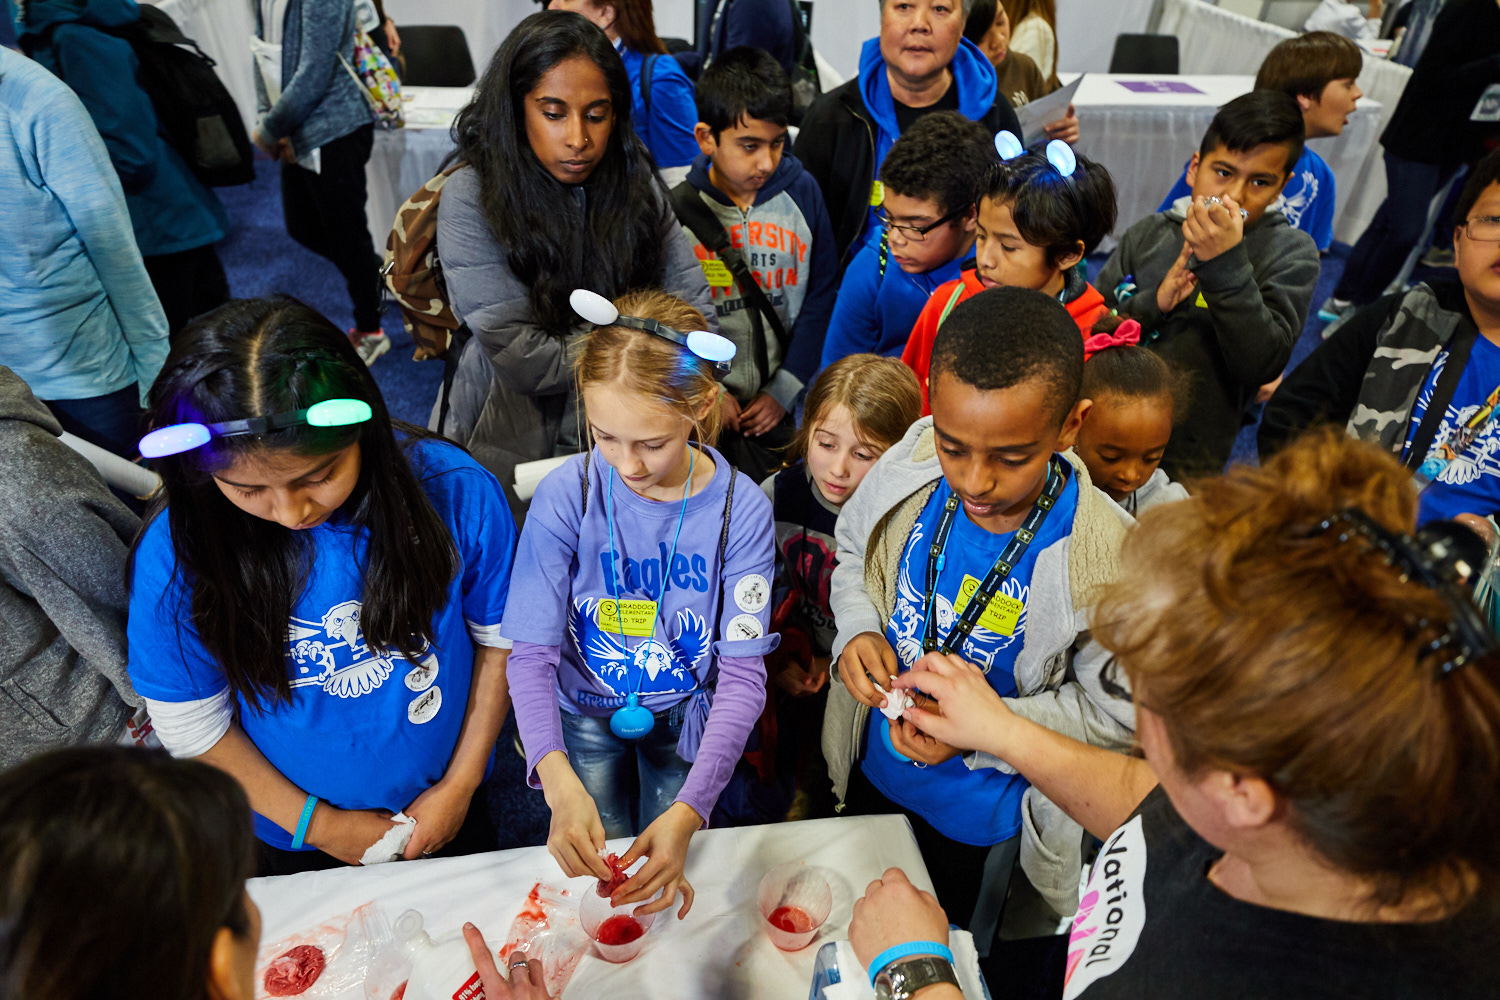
column 556, row 192
column 315, row 600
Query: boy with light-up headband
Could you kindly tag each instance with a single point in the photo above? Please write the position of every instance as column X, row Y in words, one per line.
column 642, row 627
column 315, row 601
column 981, row 534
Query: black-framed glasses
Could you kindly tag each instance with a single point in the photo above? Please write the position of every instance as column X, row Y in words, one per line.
column 917, row 233
column 1485, row 229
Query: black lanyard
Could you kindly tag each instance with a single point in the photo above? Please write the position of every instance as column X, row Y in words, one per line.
column 1014, row 552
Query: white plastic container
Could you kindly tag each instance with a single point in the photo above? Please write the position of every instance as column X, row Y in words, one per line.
column 430, row 970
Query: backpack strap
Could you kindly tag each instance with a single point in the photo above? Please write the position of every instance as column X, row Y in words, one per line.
column 1459, row 347
column 701, row 221
column 586, row 455
column 646, row 67
column 728, row 506
column 958, row 293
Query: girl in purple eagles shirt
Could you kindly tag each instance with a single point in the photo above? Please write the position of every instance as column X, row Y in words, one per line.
column 640, row 622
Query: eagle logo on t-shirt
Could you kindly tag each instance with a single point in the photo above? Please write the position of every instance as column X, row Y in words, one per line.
column 614, row 661
column 331, row 653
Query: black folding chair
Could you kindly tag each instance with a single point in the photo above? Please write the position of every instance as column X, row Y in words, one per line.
column 1143, row 54
column 437, row 55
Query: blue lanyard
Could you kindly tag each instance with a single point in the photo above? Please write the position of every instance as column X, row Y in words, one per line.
column 1009, row 559
column 614, row 555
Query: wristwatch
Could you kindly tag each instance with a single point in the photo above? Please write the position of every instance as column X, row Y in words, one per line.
column 902, row 978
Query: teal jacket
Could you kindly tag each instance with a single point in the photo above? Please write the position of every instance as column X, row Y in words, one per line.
column 170, row 209
column 78, row 318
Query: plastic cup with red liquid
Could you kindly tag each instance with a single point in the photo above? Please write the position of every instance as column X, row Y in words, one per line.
column 794, row 900
column 618, row 932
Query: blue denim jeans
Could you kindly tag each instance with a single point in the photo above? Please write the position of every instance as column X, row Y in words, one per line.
column 1398, row 224
column 600, row 759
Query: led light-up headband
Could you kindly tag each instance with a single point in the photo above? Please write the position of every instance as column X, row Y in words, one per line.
column 1058, row 153
column 177, row 438
column 716, row 350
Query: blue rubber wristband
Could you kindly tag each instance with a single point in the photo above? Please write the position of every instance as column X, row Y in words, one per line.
column 900, row 951
column 307, row 811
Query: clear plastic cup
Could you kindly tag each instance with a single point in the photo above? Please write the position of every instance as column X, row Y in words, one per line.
column 795, row 899
column 618, row 953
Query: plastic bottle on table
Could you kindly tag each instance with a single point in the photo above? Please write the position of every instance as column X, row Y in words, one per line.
column 419, row 968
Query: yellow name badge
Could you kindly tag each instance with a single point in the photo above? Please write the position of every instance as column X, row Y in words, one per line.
column 716, row 273
column 1202, row 303
column 626, row 617
column 877, row 194
column 1002, row 614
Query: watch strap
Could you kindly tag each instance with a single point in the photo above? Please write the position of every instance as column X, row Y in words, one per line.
column 903, row 978
column 901, row 951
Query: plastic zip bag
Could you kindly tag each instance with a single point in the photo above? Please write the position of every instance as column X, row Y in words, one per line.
column 547, row 930
column 326, row 960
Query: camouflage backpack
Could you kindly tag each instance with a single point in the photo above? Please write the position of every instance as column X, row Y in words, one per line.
column 414, row 274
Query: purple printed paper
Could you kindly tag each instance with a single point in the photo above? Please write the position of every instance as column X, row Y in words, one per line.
column 1159, row 86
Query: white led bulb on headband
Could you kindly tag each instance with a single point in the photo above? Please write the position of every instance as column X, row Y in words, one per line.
column 718, row 351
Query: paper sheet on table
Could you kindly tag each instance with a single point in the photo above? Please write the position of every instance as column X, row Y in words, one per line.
column 1036, row 115
column 529, row 475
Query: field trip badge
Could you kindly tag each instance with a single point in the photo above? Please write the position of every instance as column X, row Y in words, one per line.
column 626, row 617
column 999, row 617
column 716, row 273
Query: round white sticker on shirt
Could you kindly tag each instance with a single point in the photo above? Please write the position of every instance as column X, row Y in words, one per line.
column 752, row 593
column 425, row 708
column 421, row 676
column 744, row 627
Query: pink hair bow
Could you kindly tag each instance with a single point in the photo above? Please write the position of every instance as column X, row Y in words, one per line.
column 1127, row 334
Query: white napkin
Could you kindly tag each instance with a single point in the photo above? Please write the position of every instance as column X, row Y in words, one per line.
column 390, row 846
column 895, row 703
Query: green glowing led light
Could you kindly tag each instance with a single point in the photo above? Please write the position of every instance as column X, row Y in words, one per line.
column 338, row 412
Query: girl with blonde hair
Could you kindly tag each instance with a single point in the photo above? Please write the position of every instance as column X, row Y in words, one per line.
column 641, row 632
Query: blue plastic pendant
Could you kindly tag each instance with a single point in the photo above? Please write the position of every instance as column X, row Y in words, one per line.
column 632, row 721
column 1432, row 468
column 885, row 737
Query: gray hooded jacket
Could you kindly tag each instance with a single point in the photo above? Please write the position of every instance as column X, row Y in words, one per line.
column 63, row 542
column 1058, row 671
column 512, row 399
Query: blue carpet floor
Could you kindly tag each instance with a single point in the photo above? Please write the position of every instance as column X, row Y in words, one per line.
column 261, row 259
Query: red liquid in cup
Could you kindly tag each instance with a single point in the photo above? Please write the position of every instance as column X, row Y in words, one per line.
column 792, row 919
column 621, row 930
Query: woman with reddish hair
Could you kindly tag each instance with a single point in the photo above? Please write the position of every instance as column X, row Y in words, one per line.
column 664, row 111
column 1318, row 704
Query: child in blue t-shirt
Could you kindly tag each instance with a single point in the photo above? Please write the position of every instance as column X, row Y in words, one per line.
column 1318, row 70
column 315, row 603
column 642, row 627
column 926, row 191
column 979, row 498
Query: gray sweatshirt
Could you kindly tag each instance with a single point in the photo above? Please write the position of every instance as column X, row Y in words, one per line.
column 63, row 542
column 1233, row 333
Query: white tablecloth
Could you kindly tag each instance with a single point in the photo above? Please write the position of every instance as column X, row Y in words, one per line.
column 1145, row 138
column 1212, row 40
column 404, row 159
column 718, row 951
column 222, row 29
